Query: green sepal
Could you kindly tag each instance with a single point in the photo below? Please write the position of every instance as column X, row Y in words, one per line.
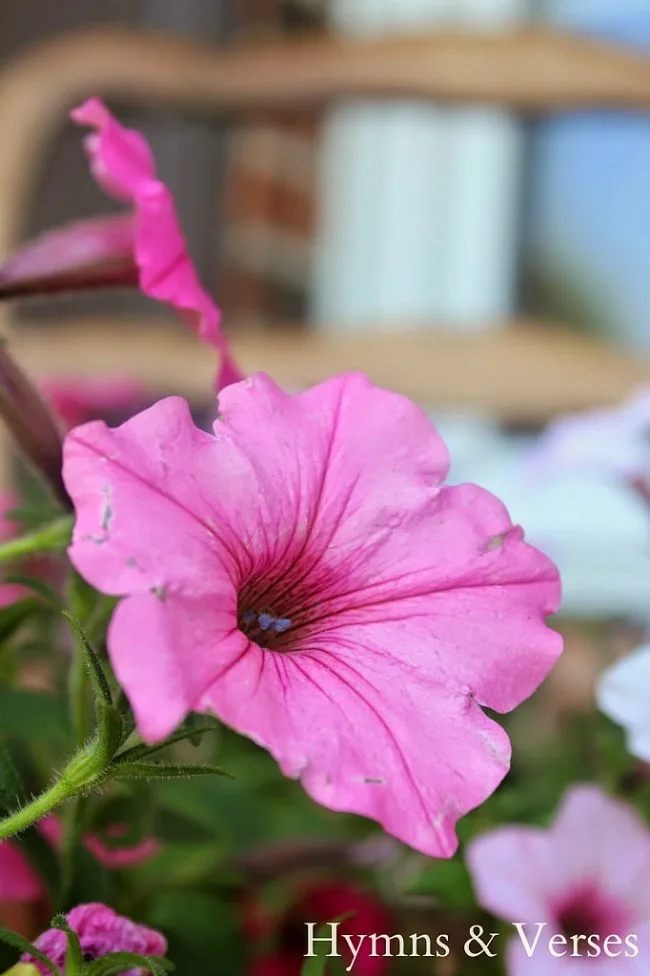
column 74, row 962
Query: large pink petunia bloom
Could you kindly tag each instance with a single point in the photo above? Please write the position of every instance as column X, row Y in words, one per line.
column 303, row 574
column 587, row 875
column 122, row 163
column 101, row 931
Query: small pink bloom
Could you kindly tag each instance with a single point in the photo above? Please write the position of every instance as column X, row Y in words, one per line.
column 122, row 163
column 286, row 936
column 77, row 400
column 587, row 875
column 100, row 932
column 303, row 574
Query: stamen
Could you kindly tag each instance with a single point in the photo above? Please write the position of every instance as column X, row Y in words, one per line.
column 265, row 620
column 264, row 627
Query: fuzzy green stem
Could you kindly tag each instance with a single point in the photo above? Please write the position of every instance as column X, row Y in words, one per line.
column 36, row 810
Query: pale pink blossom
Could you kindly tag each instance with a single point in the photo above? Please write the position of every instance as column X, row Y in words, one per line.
column 614, row 441
column 587, row 875
column 303, row 573
column 101, row 931
column 122, row 163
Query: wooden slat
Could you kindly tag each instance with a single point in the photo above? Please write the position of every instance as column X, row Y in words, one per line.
column 526, row 372
column 530, row 70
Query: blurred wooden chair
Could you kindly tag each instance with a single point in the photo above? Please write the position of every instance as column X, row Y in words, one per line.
column 528, row 371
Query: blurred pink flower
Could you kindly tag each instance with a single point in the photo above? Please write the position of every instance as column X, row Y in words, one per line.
column 280, row 942
column 19, row 881
column 101, row 931
column 587, row 875
column 303, row 574
column 125, row 856
column 123, row 165
column 614, row 441
column 77, row 400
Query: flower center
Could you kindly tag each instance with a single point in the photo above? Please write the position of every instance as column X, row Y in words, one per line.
column 587, row 913
column 265, row 628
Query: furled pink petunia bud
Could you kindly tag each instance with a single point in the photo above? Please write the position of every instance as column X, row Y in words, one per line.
column 100, row 931
column 304, row 574
column 122, row 163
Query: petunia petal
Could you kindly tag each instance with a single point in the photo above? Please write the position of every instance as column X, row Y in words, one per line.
column 122, row 163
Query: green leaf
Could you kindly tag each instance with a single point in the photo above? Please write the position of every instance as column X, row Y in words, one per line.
column 142, row 750
column 128, row 718
column 120, row 962
column 162, row 770
column 74, row 962
column 24, row 945
column 34, row 715
column 97, row 676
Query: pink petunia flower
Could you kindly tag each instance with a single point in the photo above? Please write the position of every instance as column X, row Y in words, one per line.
column 101, row 931
column 123, row 165
column 585, row 879
column 280, row 942
column 303, row 574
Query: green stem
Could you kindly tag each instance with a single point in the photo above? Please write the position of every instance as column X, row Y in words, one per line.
column 51, row 538
column 36, row 810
